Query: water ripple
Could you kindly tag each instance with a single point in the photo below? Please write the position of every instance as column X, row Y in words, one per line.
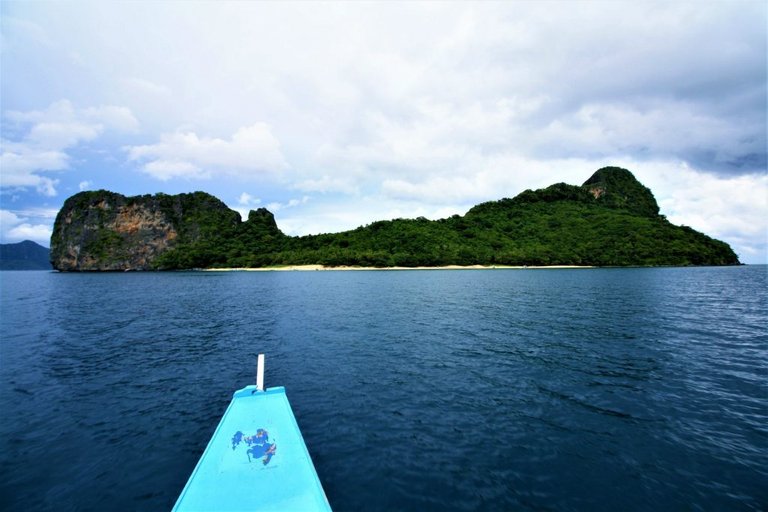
column 612, row 389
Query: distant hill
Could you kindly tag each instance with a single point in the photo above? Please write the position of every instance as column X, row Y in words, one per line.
column 610, row 220
column 26, row 255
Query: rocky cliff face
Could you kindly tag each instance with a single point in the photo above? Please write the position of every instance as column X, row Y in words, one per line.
column 107, row 231
column 618, row 188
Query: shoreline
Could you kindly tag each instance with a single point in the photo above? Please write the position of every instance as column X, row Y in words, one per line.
column 306, row 268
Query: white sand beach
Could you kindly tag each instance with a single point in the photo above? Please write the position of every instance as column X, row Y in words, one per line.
column 304, row 268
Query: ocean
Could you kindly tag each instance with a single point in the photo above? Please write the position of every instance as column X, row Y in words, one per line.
column 445, row 390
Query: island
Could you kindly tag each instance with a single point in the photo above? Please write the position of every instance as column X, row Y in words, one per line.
column 610, row 220
column 26, row 255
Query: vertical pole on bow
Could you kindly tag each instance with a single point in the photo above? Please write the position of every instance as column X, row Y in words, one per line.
column 260, row 373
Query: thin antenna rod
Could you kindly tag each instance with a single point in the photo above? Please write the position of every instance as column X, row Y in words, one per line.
column 260, row 373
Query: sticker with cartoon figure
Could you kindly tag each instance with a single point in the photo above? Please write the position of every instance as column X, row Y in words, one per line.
column 258, row 445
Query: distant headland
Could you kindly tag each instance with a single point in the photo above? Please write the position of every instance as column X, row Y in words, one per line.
column 610, row 220
column 26, row 255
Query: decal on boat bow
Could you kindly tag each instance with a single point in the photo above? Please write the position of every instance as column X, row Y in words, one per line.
column 258, row 445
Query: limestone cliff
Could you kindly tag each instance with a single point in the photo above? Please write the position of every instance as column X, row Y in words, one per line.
column 103, row 230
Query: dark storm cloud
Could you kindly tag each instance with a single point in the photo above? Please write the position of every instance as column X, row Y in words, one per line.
column 606, row 65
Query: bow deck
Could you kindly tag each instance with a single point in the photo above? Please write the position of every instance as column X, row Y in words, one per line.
column 256, row 460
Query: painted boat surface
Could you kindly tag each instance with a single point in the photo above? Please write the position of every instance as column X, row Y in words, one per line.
column 255, row 461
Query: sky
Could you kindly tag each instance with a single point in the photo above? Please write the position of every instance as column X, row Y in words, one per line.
column 334, row 115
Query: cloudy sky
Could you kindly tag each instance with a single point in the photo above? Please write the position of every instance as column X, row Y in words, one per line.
column 332, row 115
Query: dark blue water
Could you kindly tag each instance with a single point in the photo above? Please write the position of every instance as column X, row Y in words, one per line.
column 605, row 389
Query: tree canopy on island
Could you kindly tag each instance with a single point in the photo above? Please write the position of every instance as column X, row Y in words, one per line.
column 611, row 220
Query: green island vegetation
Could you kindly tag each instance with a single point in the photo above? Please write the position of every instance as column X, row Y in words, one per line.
column 611, row 220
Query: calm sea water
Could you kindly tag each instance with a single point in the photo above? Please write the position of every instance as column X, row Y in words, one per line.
column 604, row 389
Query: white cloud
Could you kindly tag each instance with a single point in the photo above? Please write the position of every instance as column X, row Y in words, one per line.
column 38, row 213
column 297, row 202
column 245, row 203
column 434, row 104
column 48, row 135
column 167, row 169
column 15, row 228
column 60, row 111
column 147, row 87
column 8, row 219
column 658, row 131
column 38, row 232
column 85, row 185
column 62, row 135
column 111, row 116
column 19, row 163
column 326, row 183
column 327, row 218
column 247, row 199
column 734, row 209
column 86, row 120
column 488, row 177
column 277, row 206
column 252, row 151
